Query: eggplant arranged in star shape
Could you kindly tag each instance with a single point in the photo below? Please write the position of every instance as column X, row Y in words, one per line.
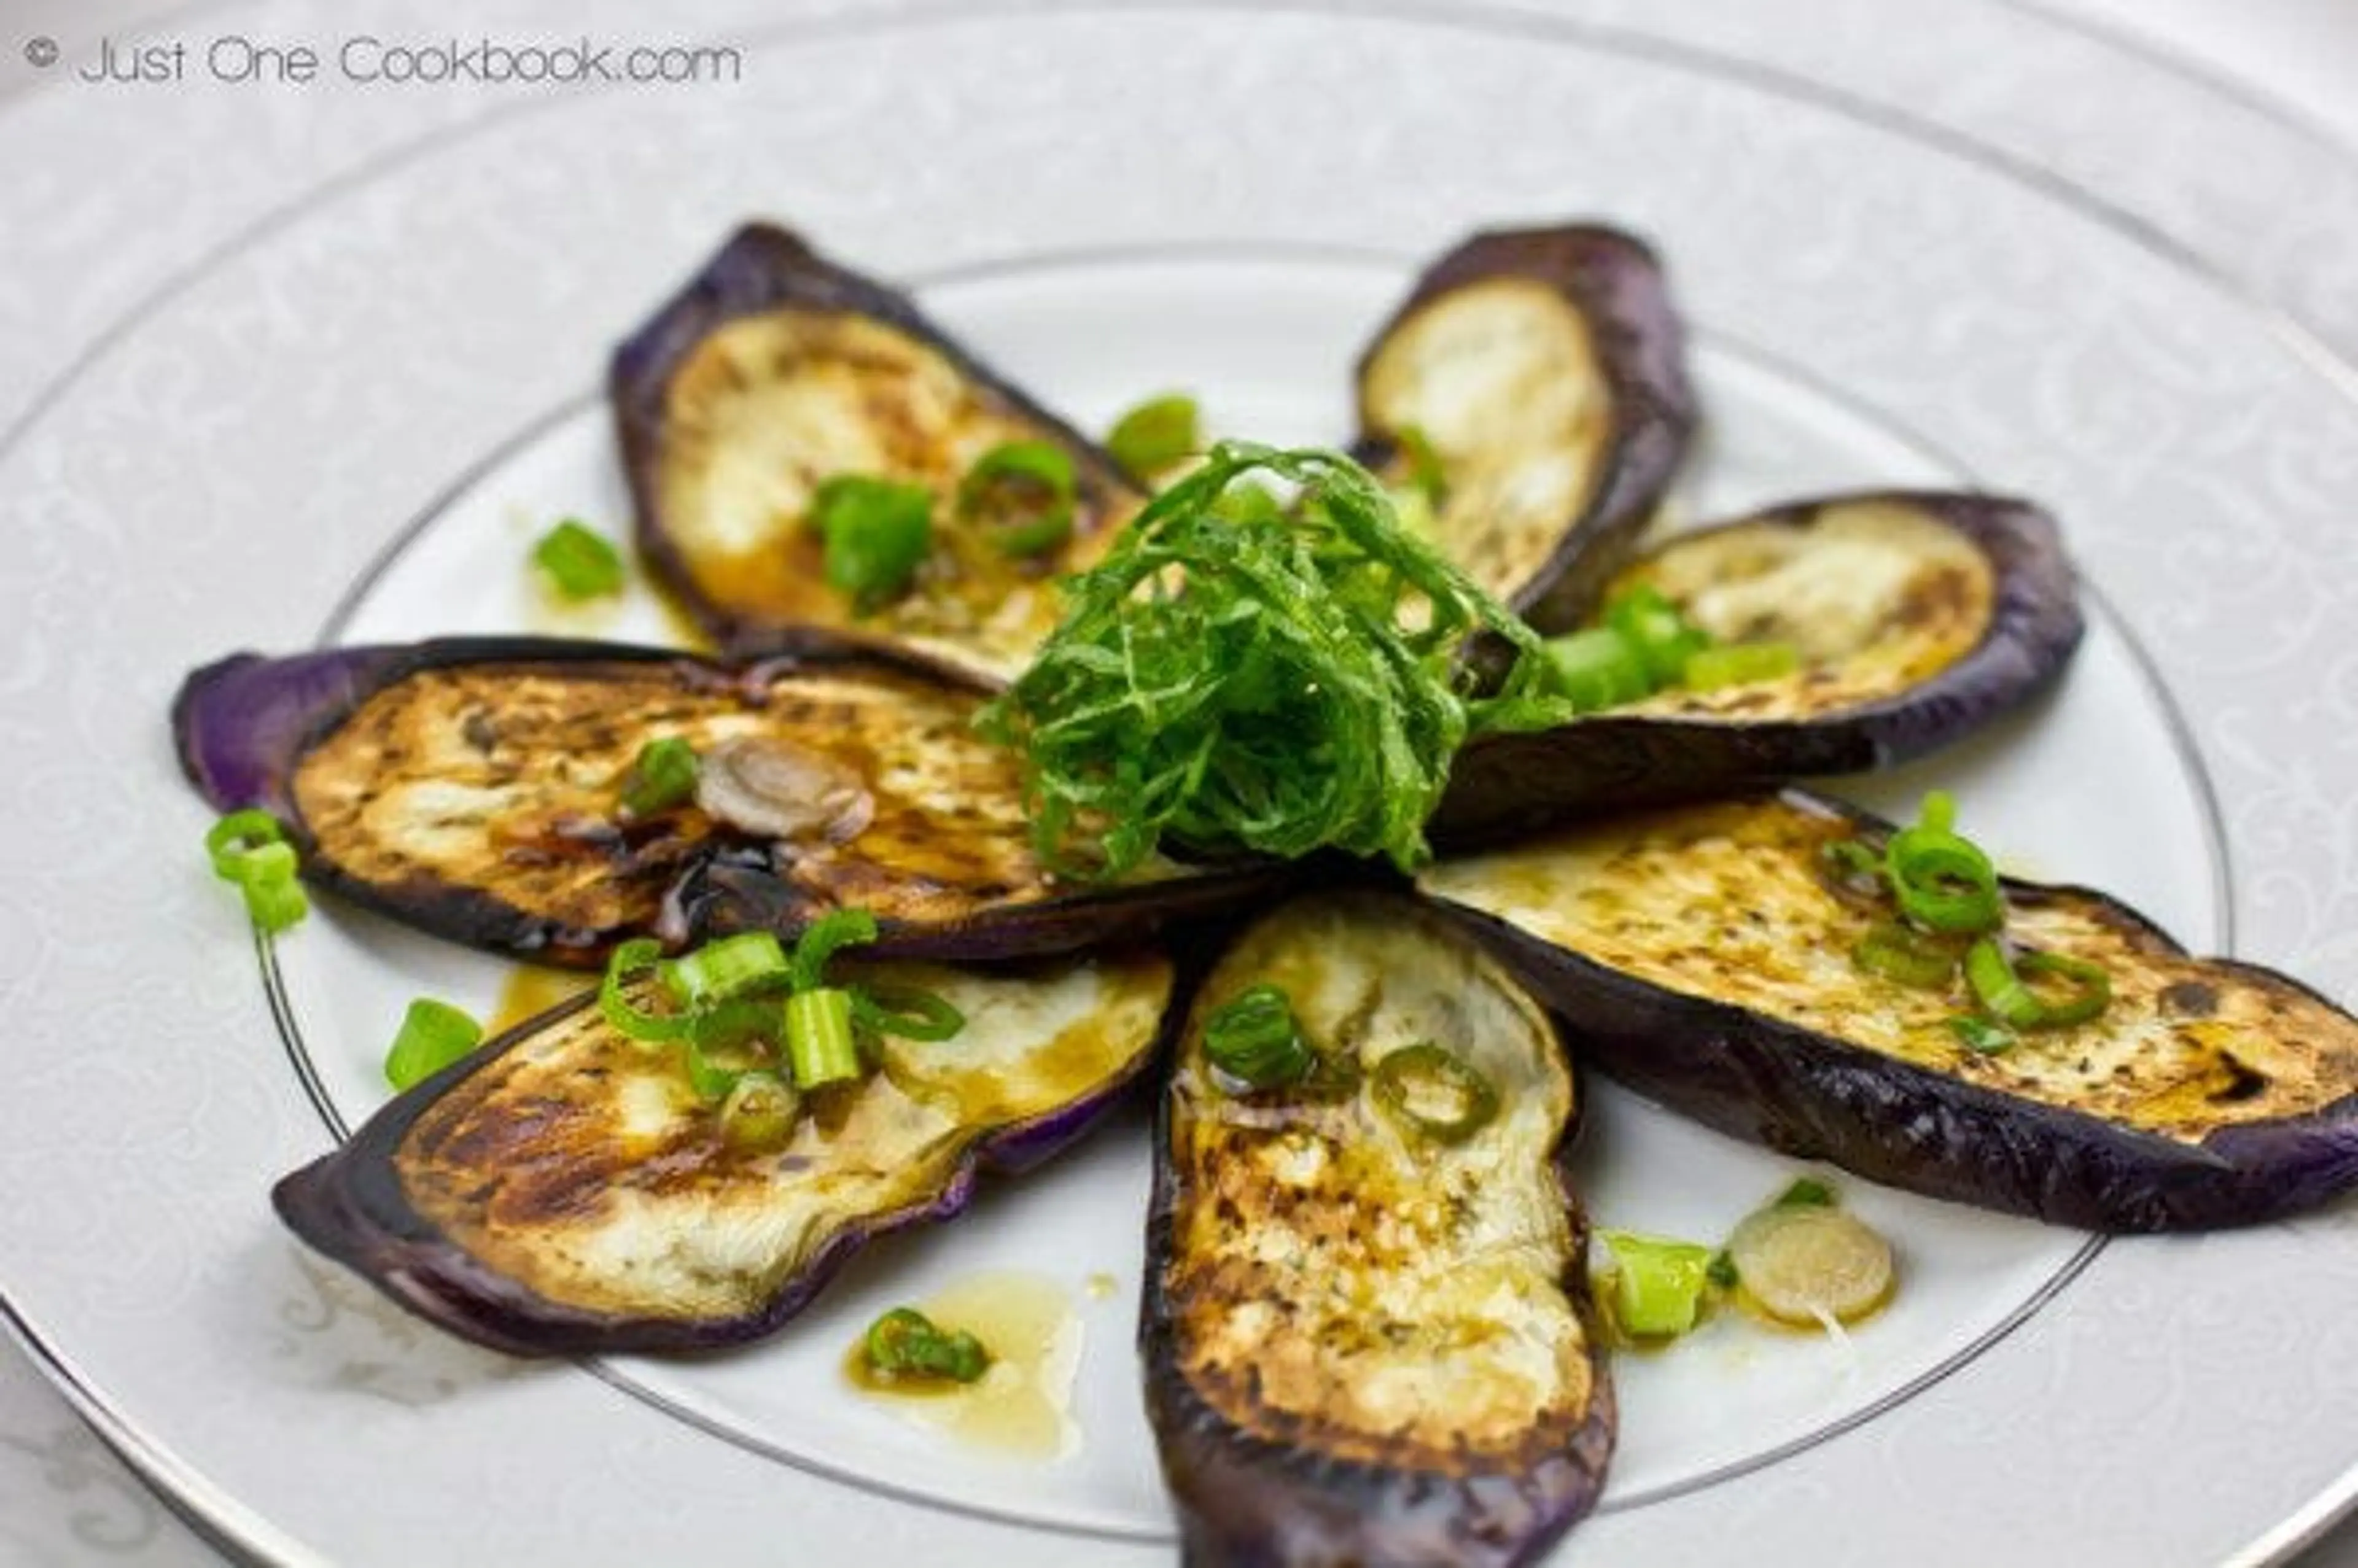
column 1705, row 955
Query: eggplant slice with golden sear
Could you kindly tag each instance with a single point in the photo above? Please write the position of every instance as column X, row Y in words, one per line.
column 1705, row 956
column 565, row 1190
column 774, row 371
column 1366, row 1325
column 1916, row 617
column 473, row 787
column 1540, row 371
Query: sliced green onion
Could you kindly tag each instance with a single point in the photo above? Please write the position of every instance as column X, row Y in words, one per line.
column 721, row 1046
column 1252, row 1037
column 1431, row 1092
column 904, row 1343
column 876, row 535
column 250, row 849
column 579, row 563
column 820, row 1048
column 732, row 967
column 759, row 1112
column 1806, row 1192
column 1426, row 474
column 433, row 1034
column 821, row 939
column 1902, row 953
column 1658, row 1282
column 2001, row 984
column 1944, row 881
column 661, row 776
column 1023, row 491
column 906, row 1012
column 1979, row 1035
column 1596, row 668
column 1721, row 1270
column 1739, row 663
column 1154, row 435
column 1657, row 630
column 634, row 959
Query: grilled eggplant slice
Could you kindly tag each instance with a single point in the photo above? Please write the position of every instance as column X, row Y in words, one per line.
column 1700, row 957
column 563, row 1190
column 774, row 370
column 1364, row 1342
column 1544, row 370
column 1918, row 616
column 470, row 787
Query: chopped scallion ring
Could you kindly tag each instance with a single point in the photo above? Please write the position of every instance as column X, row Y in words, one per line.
column 579, row 563
column 759, row 1112
column 236, row 837
column 661, row 776
column 1982, row 1036
column 1430, row 1091
column 1595, row 669
column 732, row 967
column 250, row 849
column 1156, row 434
column 2001, row 984
column 1902, row 953
column 821, row 939
column 433, row 1034
column 1023, row 491
column 820, row 1048
column 627, row 963
column 1656, row 630
column 1658, row 1282
column 876, row 535
column 906, row 1012
column 1944, row 881
column 1252, row 1038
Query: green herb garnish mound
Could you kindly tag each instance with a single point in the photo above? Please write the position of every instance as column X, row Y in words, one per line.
column 1245, row 673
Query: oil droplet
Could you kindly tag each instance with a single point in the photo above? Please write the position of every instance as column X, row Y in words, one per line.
column 1100, row 1286
column 1023, row 1406
column 531, row 990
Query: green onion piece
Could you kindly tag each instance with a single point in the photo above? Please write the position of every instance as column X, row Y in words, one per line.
column 1023, row 491
column 820, row 1045
column 1943, row 882
column 876, row 535
column 1252, row 1037
column 1806, row 1192
column 233, row 841
column 1904, row 954
column 1939, row 812
column 1657, row 630
column 1596, row 668
column 1721, row 1270
column 721, row 1046
column 2002, row 984
column 904, row 1343
column 1656, row 1283
column 906, row 1012
column 661, row 776
column 274, row 905
column 1979, row 1035
column 1154, row 435
column 731, row 967
column 1429, row 1091
column 1739, row 663
column 759, row 1112
column 627, row 962
column 712, row 1080
column 821, row 939
column 579, row 563
column 433, row 1034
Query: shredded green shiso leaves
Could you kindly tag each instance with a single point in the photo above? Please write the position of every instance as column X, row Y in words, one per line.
column 1273, row 669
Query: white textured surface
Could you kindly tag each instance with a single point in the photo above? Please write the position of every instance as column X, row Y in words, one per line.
column 2184, row 423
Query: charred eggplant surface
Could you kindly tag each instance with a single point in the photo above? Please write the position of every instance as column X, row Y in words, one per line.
column 1708, row 956
column 776, row 370
column 1366, row 1325
column 567, row 1189
column 1905, row 621
column 479, row 789
column 1533, row 380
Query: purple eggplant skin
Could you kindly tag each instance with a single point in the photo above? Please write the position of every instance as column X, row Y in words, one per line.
column 1810, row 1095
column 244, row 726
column 1615, row 283
column 1502, row 786
column 354, row 1206
column 762, row 269
column 1282, row 1498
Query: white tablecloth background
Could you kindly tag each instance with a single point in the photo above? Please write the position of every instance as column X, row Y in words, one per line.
column 64, row 1499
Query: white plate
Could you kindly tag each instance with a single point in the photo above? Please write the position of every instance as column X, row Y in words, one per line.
column 1227, row 201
